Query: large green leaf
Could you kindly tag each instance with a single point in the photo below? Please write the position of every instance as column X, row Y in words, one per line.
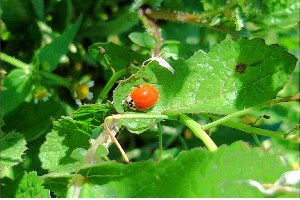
column 49, row 55
column 18, row 84
column 231, row 77
column 12, row 148
column 195, row 173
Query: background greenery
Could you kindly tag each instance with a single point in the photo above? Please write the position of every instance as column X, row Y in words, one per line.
column 51, row 48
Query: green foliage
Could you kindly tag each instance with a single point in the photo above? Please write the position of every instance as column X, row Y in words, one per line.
column 49, row 55
column 27, row 185
column 195, row 173
column 231, row 77
column 68, row 67
column 34, row 117
column 18, row 84
column 57, row 153
column 114, row 56
column 13, row 146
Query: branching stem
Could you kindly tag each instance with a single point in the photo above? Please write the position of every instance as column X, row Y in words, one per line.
column 248, row 110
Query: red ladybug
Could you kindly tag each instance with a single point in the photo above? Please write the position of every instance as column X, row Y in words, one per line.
column 142, row 97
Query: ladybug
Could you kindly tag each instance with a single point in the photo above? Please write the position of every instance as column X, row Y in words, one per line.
column 142, row 97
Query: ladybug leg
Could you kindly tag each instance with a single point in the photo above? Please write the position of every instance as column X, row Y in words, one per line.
column 114, row 139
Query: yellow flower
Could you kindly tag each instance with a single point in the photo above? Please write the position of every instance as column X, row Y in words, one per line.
column 82, row 91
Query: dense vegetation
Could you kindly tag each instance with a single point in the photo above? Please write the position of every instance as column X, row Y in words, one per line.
column 225, row 123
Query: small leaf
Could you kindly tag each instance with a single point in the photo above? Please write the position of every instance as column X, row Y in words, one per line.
column 12, row 148
column 195, row 173
column 111, row 55
column 58, row 183
column 18, row 84
column 49, row 55
column 71, row 133
column 231, row 77
column 143, row 39
column 78, row 154
column 30, row 186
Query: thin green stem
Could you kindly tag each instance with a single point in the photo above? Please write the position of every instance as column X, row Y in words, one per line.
column 140, row 116
column 116, row 76
column 254, row 130
column 256, row 140
column 13, row 61
column 248, row 110
column 75, row 186
column 198, row 131
column 160, row 141
column 57, row 79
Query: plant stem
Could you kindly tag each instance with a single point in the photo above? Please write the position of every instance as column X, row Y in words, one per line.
column 160, row 145
column 248, row 110
column 116, row 76
column 15, row 62
column 75, row 186
column 153, row 29
column 188, row 17
column 57, row 79
column 253, row 130
column 256, row 140
column 198, row 131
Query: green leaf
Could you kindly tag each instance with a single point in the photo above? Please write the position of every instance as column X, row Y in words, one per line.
column 195, row 173
column 93, row 114
column 12, row 148
column 49, row 55
column 34, row 120
column 18, row 84
column 143, row 39
column 55, row 153
column 30, row 186
column 279, row 14
column 71, row 133
column 111, row 55
column 58, row 183
column 231, row 77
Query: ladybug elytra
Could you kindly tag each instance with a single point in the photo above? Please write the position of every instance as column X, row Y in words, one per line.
column 142, row 97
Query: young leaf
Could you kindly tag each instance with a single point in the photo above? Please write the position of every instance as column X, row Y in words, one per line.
column 111, row 55
column 12, row 148
column 18, row 84
column 231, row 77
column 30, row 186
column 143, row 39
column 70, row 133
column 55, row 153
column 58, row 183
column 49, row 55
column 195, row 173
